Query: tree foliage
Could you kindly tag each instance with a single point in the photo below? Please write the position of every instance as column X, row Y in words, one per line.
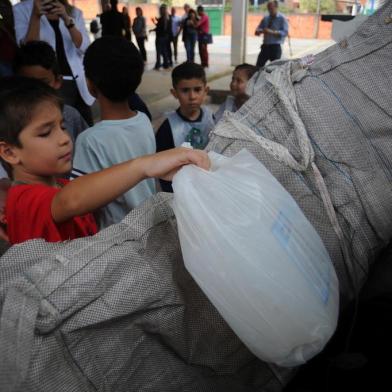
column 326, row 6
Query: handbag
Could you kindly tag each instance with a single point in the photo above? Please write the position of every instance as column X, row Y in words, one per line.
column 206, row 38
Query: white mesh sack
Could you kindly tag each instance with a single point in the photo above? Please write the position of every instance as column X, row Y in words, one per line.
column 261, row 263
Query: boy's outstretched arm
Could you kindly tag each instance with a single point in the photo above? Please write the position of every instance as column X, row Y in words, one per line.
column 95, row 190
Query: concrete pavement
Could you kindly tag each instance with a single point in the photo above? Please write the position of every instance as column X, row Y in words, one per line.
column 156, row 85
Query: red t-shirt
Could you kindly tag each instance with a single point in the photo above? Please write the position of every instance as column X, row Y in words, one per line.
column 204, row 24
column 29, row 216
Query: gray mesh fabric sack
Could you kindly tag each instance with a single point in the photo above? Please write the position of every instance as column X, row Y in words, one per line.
column 117, row 312
column 325, row 133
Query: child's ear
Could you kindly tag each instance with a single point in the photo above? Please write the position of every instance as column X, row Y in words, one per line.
column 8, row 153
column 174, row 93
column 207, row 89
column 91, row 88
column 58, row 82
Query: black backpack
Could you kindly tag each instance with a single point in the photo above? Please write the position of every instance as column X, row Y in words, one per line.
column 94, row 27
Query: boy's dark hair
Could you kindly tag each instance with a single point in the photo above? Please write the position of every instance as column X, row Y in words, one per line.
column 188, row 71
column 248, row 68
column 114, row 66
column 36, row 53
column 19, row 97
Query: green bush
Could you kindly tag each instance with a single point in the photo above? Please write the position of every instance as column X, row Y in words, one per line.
column 326, row 6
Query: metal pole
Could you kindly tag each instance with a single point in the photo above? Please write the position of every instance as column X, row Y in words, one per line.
column 238, row 31
column 317, row 21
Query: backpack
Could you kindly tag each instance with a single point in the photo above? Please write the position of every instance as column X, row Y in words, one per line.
column 94, row 27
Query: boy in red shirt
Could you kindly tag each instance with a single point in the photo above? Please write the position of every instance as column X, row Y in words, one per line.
column 35, row 149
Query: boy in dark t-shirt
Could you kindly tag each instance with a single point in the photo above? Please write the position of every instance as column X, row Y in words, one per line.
column 191, row 122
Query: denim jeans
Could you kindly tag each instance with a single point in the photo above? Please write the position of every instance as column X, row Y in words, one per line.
column 161, row 47
column 190, row 42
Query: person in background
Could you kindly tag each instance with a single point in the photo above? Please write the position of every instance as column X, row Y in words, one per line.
column 37, row 59
column 191, row 122
column 203, row 27
column 112, row 21
column 187, row 8
column 122, row 133
column 162, row 38
column 36, row 150
column 140, row 31
column 7, row 38
column 176, row 25
column 189, row 34
column 127, row 24
column 138, row 105
column 241, row 74
column 275, row 29
column 63, row 27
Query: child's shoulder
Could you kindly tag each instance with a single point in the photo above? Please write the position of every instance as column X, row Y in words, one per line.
column 206, row 111
column 69, row 112
column 142, row 118
column 28, row 195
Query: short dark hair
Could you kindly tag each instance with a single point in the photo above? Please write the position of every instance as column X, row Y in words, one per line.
column 188, row 71
column 200, row 8
column 19, row 97
column 36, row 53
column 248, row 68
column 114, row 66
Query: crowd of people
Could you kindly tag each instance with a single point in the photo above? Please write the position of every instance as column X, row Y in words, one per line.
column 168, row 27
column 68, row 176
column 193, row 26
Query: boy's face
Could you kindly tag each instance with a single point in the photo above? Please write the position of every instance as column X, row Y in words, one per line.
column 46, row 147
column 37, row 72
column 238, row 82
column 190, row 93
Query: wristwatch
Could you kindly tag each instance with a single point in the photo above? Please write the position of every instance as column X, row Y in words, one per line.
column 71, row 23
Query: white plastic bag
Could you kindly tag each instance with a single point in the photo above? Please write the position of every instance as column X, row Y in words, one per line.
column 261, row 263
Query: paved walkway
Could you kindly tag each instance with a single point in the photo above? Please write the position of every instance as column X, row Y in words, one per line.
column 155, row 86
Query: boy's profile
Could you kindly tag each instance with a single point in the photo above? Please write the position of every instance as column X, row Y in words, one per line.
column 114, row 69
column 191, row 122
column 37, row 59
column 35, row 149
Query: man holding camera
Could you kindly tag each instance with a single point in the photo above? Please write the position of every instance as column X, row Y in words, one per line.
column 63, row 27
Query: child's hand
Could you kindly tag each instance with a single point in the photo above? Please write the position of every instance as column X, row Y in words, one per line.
column 166, row 163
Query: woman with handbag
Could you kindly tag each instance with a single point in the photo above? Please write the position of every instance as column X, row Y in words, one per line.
column 204, row 36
